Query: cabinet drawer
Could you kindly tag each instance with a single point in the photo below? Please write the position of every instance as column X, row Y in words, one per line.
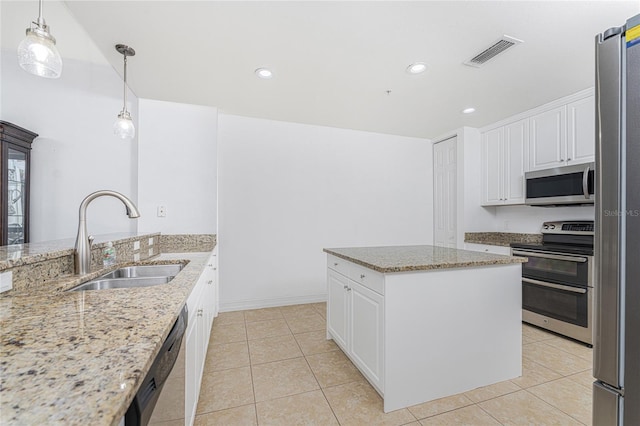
column 339, row 265
column 367, row 277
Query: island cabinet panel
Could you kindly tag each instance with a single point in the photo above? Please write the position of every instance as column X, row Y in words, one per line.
column 337, row 308
column 428, row 333
column 367, row 333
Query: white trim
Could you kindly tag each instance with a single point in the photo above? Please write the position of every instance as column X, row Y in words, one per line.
column 540, row 109
column 242, row 305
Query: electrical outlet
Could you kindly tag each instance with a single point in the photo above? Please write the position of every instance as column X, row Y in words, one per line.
column 150, row 241
column 136, row 257
column 162, row 211
column 6, row 281
column 136, row 245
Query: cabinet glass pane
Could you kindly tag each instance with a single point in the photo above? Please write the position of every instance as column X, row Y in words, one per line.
column 16, row 202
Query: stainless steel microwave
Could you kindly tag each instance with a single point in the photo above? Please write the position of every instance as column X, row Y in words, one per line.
column 560, row 186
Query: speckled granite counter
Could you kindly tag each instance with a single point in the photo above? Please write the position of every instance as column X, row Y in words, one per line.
column 78, row 357
column 418, row 258
column 501, row 238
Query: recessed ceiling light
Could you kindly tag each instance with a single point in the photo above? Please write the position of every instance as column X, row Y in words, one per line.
column 264, row 73
column 417, row 68
column 468, row 110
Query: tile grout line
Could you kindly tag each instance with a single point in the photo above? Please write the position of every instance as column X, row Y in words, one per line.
column 253, row 387
column 315, row 377
column 488, row 413
column 553, row 406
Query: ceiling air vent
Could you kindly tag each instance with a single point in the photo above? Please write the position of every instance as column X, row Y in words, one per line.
column 490, row 52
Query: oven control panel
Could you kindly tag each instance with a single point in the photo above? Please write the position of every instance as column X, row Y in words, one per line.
column 578, row 227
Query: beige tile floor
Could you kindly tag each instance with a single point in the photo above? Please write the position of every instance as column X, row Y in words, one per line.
column 274, row 366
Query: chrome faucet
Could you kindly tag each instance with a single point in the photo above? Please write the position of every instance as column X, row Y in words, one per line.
column 82, row 252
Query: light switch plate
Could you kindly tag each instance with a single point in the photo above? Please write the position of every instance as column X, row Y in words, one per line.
column 6, row 281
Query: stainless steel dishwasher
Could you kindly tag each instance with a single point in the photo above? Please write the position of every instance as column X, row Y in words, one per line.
column 141, row 408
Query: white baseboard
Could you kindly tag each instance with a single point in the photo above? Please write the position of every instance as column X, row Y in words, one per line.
column 242, row 305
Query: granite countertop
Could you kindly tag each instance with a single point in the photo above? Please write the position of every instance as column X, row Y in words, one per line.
column 418, row 258
column 24, row 254
column 78, row 357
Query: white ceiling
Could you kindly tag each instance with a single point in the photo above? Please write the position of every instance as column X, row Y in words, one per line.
column 334, row 61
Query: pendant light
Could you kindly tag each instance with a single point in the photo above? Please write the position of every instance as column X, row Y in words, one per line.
column 37, row 53
column 123, row 127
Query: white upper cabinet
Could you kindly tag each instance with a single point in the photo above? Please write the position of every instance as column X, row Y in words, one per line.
column 563, row 136
column 581, row 131
column 548, row 143
column 504, row 153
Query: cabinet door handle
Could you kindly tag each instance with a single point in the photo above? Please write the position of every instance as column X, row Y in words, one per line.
column 210, row 282
column 210, row 265
column 345, row 287
column 348, row 288
column 361, row 276
column 199, row 312
column 568, row 159
column 335, row 263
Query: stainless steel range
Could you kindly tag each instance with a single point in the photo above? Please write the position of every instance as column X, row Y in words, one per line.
column 557, row 282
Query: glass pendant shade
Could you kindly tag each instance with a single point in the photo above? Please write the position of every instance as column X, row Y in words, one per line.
column 123, row 127
column 37, row 53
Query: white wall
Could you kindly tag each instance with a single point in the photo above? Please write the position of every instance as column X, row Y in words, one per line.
column 76, row 152
column 288, row 190
column 177, row 167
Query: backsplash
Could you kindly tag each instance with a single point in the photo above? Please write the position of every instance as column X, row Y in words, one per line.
column 501, row 238
column 183, row 243
column 58, row 260
column 34, row 264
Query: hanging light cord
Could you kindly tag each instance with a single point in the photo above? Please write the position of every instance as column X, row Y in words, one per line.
column 124, row 105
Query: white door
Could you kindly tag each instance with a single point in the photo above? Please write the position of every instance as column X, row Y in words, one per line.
column 445, row 193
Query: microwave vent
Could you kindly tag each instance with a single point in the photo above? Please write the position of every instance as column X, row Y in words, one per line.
column 502, row 44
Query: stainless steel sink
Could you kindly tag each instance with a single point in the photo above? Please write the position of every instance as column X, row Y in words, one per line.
column 145, row 271
column 133, row 276
column 103, row 284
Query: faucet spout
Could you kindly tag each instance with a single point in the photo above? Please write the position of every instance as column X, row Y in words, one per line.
column 82, row 252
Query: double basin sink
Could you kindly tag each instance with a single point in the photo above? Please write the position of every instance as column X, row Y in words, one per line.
column 133, row 276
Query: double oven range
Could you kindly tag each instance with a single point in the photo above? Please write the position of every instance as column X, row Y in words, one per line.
column 557, row 281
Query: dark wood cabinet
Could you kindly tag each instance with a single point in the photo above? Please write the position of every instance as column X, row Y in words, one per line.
column 15, row 168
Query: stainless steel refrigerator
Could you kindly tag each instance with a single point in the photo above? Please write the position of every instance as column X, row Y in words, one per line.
column 616, row 365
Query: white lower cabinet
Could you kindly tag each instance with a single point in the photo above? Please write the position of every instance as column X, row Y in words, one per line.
column 202, row 304
column 356, row 320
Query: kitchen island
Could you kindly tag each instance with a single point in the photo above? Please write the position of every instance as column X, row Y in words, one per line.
column 425, row 322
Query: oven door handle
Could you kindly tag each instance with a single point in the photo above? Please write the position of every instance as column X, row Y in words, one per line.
column 558, row 286
column 549, row 256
